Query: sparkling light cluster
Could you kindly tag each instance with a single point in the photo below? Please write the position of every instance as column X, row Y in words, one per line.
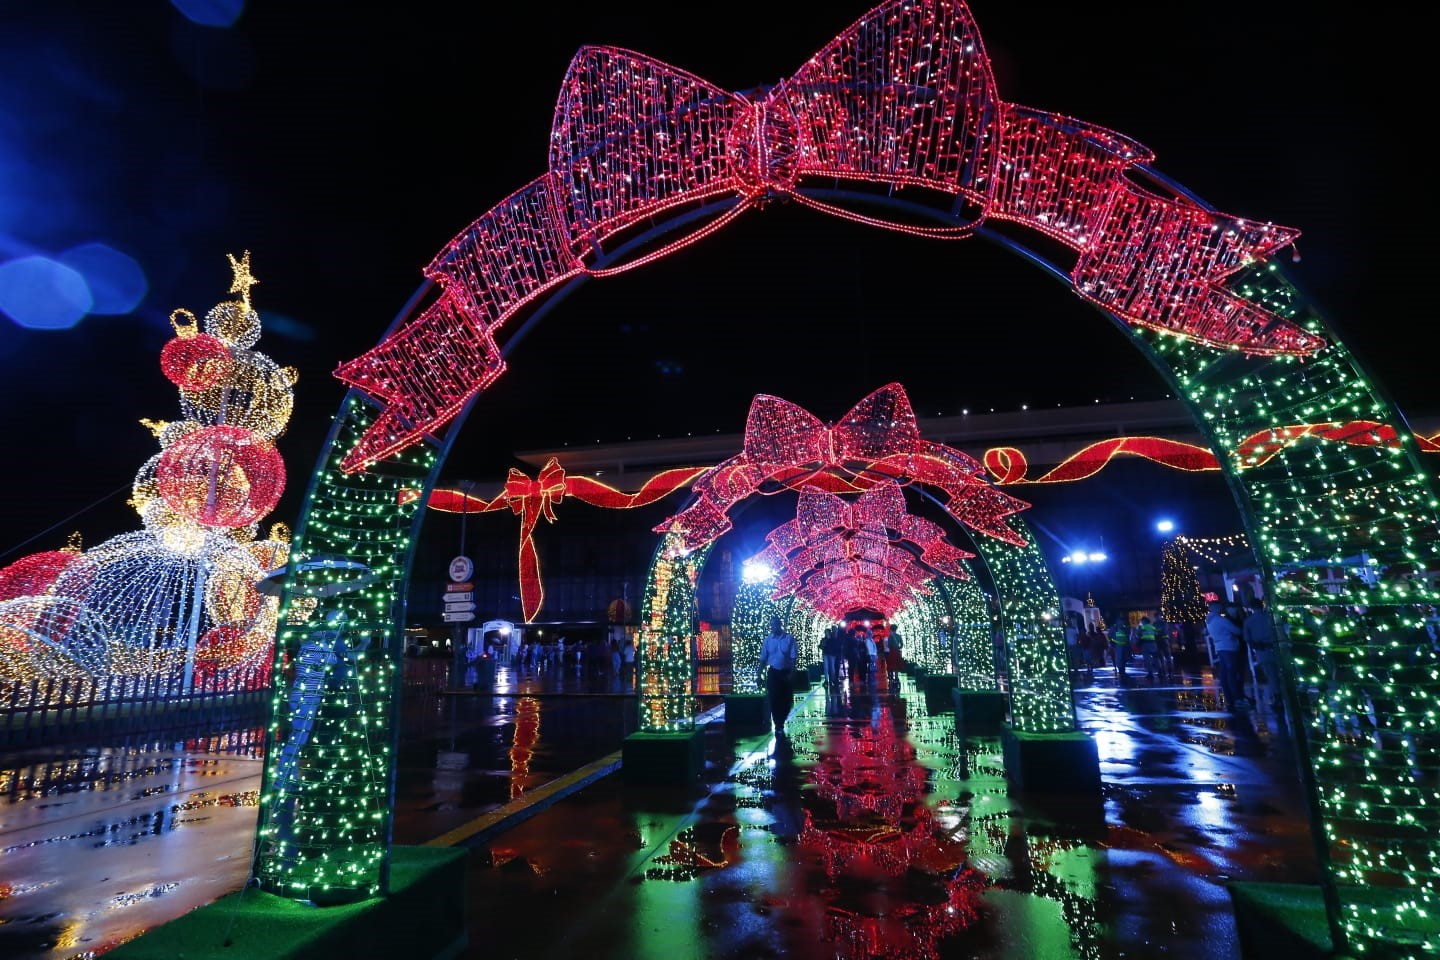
column 836, row 573
column 178, row 598
column 785, row 446
column 1347, row 536
column 669, row 632
column 841, row 556
column 950, row 630
column 749, row 624
column 326, row 803
column 1181, row 598
column 1036, row 661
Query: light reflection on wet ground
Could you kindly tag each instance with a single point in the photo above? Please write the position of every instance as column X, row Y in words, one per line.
column 879, row 831
column 876, row 830
column 96, row 843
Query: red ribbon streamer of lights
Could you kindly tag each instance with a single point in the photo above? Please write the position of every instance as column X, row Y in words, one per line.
column 1006, row 465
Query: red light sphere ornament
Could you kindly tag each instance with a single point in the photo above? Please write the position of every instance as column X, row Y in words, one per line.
column 194, row 360
column 32, row 575
column 221, row 476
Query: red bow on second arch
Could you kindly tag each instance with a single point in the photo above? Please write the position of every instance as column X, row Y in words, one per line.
column 904, row 97
column 877, row 441
column 531, row 500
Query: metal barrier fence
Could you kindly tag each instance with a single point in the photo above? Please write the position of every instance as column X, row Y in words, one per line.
column 47, row 710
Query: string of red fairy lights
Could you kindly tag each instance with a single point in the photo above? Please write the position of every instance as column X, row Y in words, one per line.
column 534, row 498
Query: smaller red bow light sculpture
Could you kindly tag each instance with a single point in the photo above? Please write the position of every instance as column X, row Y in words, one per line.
column 786, row 447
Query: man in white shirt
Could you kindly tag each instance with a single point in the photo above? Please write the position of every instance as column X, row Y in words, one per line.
column 778, row 655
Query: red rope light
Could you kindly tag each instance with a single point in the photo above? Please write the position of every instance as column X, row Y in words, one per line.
column 904, row 97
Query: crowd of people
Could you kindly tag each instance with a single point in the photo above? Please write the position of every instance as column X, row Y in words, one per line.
column 855, row 653
column 610, row 656
column 1232, row 631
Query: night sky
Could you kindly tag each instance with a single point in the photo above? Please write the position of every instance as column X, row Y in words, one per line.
column 344, row 144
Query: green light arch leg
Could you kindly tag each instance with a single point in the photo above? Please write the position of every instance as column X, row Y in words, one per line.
column 1343, row 521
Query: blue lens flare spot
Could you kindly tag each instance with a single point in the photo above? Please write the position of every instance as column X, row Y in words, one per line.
column 117, row 283
column 210, row 13
column 41, row 294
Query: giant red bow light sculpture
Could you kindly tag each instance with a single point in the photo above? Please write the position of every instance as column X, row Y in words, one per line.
column 840, row 556
column 904, row 97
column 787, row 447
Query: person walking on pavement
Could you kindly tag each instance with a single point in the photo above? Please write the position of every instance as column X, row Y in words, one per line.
column 1225, row 635
column 1148, row 638
column 894, row 657
column 831, row 649
column 1120, row 650
column 849, row 655
column 778, row 655
column 1259, row 633
column 872, row 657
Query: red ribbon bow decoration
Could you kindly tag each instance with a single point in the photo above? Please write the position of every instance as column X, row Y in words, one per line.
column 838, row 554
column 903, row 98
column 530, row 500
column 879, row 440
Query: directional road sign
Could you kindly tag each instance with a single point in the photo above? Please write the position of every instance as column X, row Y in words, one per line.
column 458, row 616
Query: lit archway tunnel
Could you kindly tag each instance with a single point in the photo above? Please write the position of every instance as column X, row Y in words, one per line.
column 642, row 150
column 866, row 552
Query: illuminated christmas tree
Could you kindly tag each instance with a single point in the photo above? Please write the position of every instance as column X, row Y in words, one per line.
column 1181, row 599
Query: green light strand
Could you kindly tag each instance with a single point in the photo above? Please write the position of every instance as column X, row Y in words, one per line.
column 1344, row 524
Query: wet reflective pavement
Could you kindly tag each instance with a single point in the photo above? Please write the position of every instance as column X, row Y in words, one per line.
column 99, row 844
column 872, row 829
column 876, row 830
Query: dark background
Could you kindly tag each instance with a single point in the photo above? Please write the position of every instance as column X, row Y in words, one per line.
column 344, row 144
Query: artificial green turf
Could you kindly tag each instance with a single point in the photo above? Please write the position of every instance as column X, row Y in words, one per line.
column 423, row 916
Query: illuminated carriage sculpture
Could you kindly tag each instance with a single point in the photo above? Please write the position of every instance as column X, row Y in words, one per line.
column 900, row 109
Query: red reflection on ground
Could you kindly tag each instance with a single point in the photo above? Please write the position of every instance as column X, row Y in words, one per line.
column 522, row 748
column 901, row 883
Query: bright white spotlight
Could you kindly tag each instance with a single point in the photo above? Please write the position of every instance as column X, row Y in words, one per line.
column 1079, row 556
column 1097, row 557
column 1165, row 526
column 756, row 571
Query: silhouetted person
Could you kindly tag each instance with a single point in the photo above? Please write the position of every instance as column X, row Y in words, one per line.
column 1225, row 636
column 1120, row 651
column 778, row 655
column 1259, row 633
